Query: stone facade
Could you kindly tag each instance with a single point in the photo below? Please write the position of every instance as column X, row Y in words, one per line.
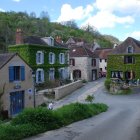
column 84, row 64
column 16, row 86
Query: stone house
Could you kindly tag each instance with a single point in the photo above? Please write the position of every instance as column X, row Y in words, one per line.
column 47, row 57
column 102, row 54
column 16, row 84
column 124, row 61
column 83, row 64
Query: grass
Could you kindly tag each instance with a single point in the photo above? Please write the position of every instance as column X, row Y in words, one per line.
column 34, row 121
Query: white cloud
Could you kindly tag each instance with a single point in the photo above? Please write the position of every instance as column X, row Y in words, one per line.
column 78, row 13
column 135, row 34
column 2, row 10
column 106, row 19
column 17, row 0
column 124, row 6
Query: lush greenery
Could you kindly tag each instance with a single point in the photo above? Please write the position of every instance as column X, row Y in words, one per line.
column 116, row 63
column 28, row 53
column 33, row 121
column 41, row 26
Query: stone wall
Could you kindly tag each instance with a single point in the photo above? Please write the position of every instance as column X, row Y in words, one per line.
column 67, row 89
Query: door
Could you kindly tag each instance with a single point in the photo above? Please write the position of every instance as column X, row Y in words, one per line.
column 94, row 75
column 16, row 102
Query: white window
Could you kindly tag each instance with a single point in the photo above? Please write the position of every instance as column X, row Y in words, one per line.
column 61, row 58
column 51, row 58
column 39, row 76
column 62, row 73
column 130, row 49
column 51, row 74
column 39, row 57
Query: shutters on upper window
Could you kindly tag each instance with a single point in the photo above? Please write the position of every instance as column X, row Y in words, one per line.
column 16, row 73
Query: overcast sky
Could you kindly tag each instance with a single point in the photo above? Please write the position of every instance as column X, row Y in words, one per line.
column 120, row 18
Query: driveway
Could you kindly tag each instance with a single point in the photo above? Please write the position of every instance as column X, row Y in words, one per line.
column 120, row 122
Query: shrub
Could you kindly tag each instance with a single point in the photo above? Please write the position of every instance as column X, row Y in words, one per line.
column 40, row 116
column 33, row 121
column 89, row 98
column 10, row 132
column 107, row 83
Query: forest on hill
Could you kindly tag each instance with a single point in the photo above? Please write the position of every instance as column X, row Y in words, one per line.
column 41, row 26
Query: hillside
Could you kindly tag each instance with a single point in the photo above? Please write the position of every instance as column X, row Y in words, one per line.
column 41, row 26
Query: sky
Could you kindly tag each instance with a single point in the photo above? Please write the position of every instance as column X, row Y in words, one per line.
column 120, row 18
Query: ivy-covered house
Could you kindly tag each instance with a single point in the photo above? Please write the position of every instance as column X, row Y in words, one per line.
column 124, row 61
column 47, row 57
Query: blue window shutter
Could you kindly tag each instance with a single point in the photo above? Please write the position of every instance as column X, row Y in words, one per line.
column 22, row 73
column 11, row 73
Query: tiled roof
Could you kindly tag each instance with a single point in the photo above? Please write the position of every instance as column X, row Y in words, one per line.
column 122, row 48
column 102, row 53
column 80, row 51
column 5, row 57
column 39, row 41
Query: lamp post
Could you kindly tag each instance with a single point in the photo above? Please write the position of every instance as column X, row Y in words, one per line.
column 33, row 76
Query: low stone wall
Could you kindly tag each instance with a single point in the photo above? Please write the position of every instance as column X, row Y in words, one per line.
column 67, row 89
column 39, row 98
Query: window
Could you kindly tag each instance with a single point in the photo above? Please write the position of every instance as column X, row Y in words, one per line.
column 62, row 73
column 51, row 58
column 117, row 74
column 105, row 68
column 129, row 59
column 93, row 62
column 130, row 49
column 100, row 60
column 16, row 73
column 39, row 76
column 100, row 69
column 72, row 62
column 51, row 74
column 61, row 58
column 39, row 57
column 105, row 60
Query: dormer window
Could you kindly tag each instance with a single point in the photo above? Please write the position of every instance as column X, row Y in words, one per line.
column 130, row 49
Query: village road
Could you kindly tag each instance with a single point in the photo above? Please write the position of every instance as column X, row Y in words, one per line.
column 120, row 122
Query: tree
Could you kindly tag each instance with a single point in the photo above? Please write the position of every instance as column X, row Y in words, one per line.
column 91, row 29
column 70, row 23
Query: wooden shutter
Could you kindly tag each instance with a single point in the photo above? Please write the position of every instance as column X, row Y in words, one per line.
column 11, row 73
column 22, row 73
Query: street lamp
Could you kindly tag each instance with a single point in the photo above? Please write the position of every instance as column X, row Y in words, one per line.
column 33, row 76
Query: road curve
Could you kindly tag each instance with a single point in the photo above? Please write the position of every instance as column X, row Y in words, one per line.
column 120, row 122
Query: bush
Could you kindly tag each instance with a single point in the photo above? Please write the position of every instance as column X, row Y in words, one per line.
column 107, row 83
column 33, row 121
column 40, row 116
column 10, row 132
column 78, row 111
column 89, row 98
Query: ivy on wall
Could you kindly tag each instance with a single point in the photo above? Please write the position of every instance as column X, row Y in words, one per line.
column 116, row 63
column 28, row 53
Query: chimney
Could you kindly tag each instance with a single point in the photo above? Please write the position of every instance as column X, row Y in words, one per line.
column 58, row 39
column 19, row 36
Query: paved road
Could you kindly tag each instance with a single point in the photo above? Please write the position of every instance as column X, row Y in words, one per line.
column 120, row 122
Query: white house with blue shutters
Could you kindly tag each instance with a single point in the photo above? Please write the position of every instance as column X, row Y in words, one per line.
column 16, row 84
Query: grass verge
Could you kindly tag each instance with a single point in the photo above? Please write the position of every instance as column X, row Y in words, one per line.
column 34, row 121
